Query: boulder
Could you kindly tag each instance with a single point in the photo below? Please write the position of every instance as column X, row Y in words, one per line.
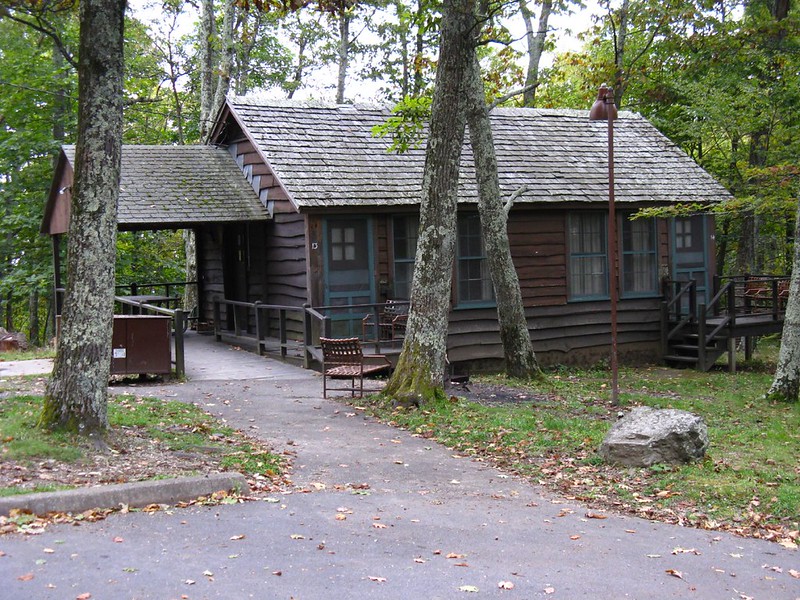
column 647, row 436
column 10, row 340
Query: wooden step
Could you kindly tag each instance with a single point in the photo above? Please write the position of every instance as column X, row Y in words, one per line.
column 679, row 358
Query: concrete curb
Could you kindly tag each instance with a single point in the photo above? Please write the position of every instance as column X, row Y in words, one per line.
column 137, row 494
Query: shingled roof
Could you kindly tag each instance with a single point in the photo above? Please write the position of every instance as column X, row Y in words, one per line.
column 327, row 156
column 178, row 186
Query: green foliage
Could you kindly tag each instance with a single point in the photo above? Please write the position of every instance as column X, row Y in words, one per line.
column 406, row 125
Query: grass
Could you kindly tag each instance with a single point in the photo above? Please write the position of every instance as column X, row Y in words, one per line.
column 173, row 425
column 32, row 353
column 749, row 481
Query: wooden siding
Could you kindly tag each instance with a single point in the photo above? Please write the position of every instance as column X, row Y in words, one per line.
column 209, row 269
column 285, row 259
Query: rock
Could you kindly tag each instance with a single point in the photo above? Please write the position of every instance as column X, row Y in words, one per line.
column 12, row 341
column 647, row 436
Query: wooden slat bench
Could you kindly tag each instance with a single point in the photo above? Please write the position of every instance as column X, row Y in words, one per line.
column 342, row 358
column 391, row 321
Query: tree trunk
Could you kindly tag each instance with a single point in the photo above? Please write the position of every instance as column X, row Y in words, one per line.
column 33, row 319
column 78, row 389
column 344, row 53
column 786, row 385
column 206, row 34
column 190, row 295
column 420, row 371
column 226, row 58
column 517, row 347
column 535, row 47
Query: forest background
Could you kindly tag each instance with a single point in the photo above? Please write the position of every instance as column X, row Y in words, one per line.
column 720, row 79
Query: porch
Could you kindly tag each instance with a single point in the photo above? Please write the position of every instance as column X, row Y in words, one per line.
column 697, row 331
column 292, row 333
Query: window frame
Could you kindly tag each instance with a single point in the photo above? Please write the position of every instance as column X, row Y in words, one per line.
column 652, row 252
column 572, row 296
column 486, row 300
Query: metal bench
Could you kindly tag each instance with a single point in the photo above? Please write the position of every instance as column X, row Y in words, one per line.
column 342, row 358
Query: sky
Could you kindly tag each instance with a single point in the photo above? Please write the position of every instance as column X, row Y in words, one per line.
column 567, row 28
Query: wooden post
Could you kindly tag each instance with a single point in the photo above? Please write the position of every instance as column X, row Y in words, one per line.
column 180, row 364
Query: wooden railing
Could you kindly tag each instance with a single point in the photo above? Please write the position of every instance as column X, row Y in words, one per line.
column 270, row 324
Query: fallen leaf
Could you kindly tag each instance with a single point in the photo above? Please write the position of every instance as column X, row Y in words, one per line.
column 674, row 573
column 341, row 517
column 795, row 574
column 84, row 596
column 549, row 590
column 454, row 555
column 630, row 531
column 379, row 526
column 238, row 537
column 378, row 579
column 189, row 582
column 594, row 515
column 208, row 573
column 506, row 585
column 468, row 588
column 118, row 540
column 277, row 573
column 776, row 569
column 686, row 551
column 26, row 577
column 461, row 564
column 297, row 536
column 574, row 537
column 420, row 560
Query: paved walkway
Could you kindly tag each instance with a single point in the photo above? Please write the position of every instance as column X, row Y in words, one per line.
column 375, row 513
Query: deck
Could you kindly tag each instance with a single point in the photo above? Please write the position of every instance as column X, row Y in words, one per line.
column 696, row 334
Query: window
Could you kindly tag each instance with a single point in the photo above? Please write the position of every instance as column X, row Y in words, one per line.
column 639, row 259
column 588, row 262
column 404, row 232
column 473, row 277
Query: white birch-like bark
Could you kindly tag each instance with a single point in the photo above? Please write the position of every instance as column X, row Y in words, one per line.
column 77, row 392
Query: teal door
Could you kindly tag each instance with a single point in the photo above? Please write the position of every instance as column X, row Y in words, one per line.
column 690, row 254
column 348, row 272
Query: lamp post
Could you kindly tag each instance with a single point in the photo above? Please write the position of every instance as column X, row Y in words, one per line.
column 604, row 108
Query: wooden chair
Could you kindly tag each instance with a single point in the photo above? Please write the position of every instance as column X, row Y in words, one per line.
column 343, row 359
column 391, row 321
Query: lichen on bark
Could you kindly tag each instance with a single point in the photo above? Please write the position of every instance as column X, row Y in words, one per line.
column 77, row 392
column 786, row 385
column 419, row 376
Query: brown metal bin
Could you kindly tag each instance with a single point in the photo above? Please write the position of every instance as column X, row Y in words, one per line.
column 141, row 344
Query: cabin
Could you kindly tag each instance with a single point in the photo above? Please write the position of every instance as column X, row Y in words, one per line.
column 318, row 216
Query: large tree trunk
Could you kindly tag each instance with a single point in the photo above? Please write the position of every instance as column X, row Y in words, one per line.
column 786, row 385
column 420, row 371
column 535, row 40
column 78, row 389
column 517, row 347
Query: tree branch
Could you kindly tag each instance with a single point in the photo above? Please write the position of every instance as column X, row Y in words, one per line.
column 510, row 202
column 505, row 97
